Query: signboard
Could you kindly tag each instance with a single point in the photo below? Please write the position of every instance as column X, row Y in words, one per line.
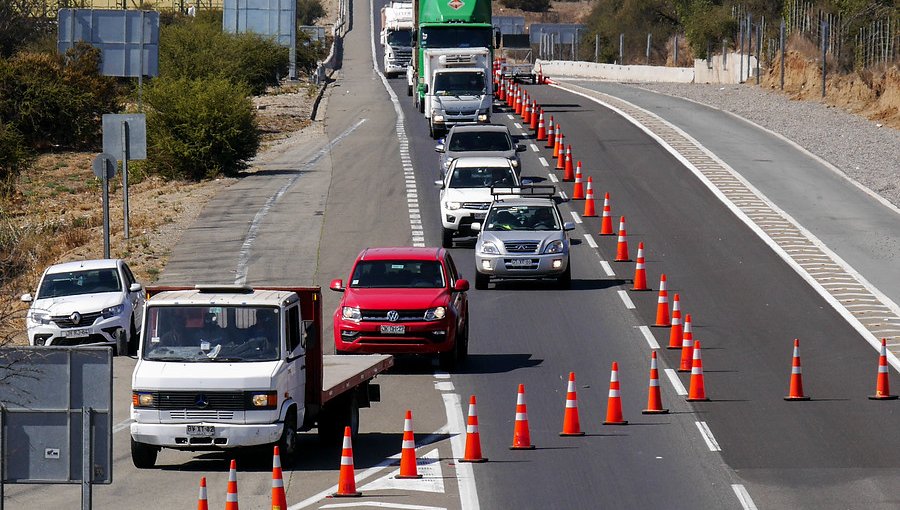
column 273, row 18
column 315, row 33
column 128, row 40
column 509, row 24
column 137, row 135
column 44, row 391
column 104, row 166
column 566, row 33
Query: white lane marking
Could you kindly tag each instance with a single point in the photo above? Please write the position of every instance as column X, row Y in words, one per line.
column 543, row 161
column 648, row 335
column 240, row 276
column 535, row 148
column 607, row 268
column 553, row 178
column 708, row 436
column 122, row 425
column 576, row 217
column 676, row 382
column 429, row 467
column 441, row 375
column 510, row 116
column 465, row 476
column 444, row 386
column 626, row 299
column 518, row 126
column 562, row 195
column 591, row 242
column 380, row 504
column 743, row 496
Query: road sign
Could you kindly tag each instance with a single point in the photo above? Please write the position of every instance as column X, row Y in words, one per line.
column 105, row 164
column 137, row 135
column 275, row 18
column 127, row 39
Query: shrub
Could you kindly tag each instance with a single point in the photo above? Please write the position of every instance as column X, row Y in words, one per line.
column 199, row 128
column 14, row 156
column 308, row 11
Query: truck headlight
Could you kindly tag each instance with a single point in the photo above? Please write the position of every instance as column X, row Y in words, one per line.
column 142, row 399
column 264, row 399
column 112, row 311
column 435, row 314
column 554, row 247
column 351, row 313
column 452, row 206
column 483, row 117
column 437, row 118
column 489, row 248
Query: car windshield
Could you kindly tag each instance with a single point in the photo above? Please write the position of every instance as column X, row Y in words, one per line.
column 456, row 37
column 399, row 38
column 211, row 333
column 74, row 283
column 522, row 217
column 482, row 177
column 464, row 141
column 398, row 274
column 459, row 84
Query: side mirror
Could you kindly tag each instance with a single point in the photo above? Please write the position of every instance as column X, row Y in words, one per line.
column 439, row 184
column 461, row 285
column 527, row 182
column 135, row 287
column 520, row 147
column 476, row 226
column 337, row 285
column 567, row 226
column 439, row 147
column 27, row 298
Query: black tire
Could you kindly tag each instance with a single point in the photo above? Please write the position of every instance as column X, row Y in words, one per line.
column 143, row 456
column 287, row 444
column 421, row 105
column 409, row 90
column 482, row 281
column 340, row 413
column 133, row 339
column 446, row 238
column 565, row 280
column 120, row 348
column 431, row 131
column 463, row 342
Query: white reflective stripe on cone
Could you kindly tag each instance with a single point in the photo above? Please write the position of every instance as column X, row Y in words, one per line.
column 613, row 393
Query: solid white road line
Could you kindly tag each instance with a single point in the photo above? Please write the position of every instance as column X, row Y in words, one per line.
column 627, row 300
column 743, row 496
column 553, row 178
column 465, row 476
column 122, row 425
column 381, row 504
column 708, row 436
column 543, row 161
column 518, row 126
column 562, row 195
column 676, row 382
column 590, row 240
column 510, row 116
column 535, row 148
column 576, row 217
column 607, row 268
column 648, row 335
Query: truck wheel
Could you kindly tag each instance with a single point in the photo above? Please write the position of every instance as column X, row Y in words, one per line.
column 565, row 280
column 409, row 90
column 446, row 238
column 421, row 106
column 287, row 444
column 481, row 281
column 336, row 415
column 143, row 456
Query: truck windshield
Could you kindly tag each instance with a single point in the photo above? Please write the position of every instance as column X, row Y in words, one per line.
column 73, row 283
column 522, row 218
column 398, row 274
column 458, row 84
column 482, row 177
column 211, row 333
column 399, row 38
column 457, row 37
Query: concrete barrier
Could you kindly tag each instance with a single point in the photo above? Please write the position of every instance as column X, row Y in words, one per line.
column 612, row 72
column 723, row 70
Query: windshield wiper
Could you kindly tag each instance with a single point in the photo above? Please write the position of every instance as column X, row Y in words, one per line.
column 226, row 359
column 169, row 358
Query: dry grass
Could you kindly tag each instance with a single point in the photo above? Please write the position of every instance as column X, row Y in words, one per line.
column 560, row 12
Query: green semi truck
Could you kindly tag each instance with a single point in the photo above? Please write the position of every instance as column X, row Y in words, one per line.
column 446, row 24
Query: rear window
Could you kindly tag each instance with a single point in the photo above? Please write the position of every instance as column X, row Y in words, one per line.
column 397, row 274
column 480, row 141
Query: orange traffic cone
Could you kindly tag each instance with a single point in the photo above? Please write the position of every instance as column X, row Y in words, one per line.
column 569, row 174
column 662, row 305
column 526, row 112
column 511, row 96
column 501, row 91
column 231, row 496
column 606, row 221
column 521, row 435
column 279, row 500
column 541, row 129
column 882, row 385
column 614, row 403
column 561, row 158
column 589, row 200
column 517, row 108
column 796, row 391
column 687, row 346
column 473, row 439
column 408, row 466
column 578, row 190
column 654, row 398
column 559, row 141
column 622, row 244
column 347, row 478
column 551, row 135
column 640, row 272
column 571, row 423
column 697, row 392
column 676, row 332
column 535, row 111
column 202, row 502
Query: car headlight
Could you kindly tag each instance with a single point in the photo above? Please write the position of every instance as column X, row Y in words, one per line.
column 437, row 118
column 351, row 313
column 448, row 162
column 264, row 399
column 142, row 399
column 112, row 311
column 482, row 117
column 452, row 205
column 41, row 318
column 515, row 163
column 554, row 247
column 489, row 248
column 436, row 313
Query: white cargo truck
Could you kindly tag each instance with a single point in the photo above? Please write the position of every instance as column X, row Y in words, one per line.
column 458, row 87
column 396, row 37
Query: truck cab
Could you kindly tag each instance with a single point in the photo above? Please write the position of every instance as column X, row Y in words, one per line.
column 459, row 89
column 396, row 37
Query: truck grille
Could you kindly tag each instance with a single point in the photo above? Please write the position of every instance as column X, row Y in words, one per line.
column 461, row 112
column 521, row 246
column 480, row 206
column 403, row 315
column 201, row 415
column 86, row 320
column 214, row 400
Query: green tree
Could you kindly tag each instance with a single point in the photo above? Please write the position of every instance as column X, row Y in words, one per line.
column 14, row 156
column 308, row 11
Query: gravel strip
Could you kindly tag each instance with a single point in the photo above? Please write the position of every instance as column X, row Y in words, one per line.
column 867, row 153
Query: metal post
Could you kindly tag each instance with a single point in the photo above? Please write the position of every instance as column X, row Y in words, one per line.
column 741, row 66
column 125, row 175
column 596, row 47
column 781, row 43
column 749, row 43
column 574, row 39
column 621, row 49
column 86, row 458
column 105, row 215
column 2, row 451
column 824, row 49
column 675, row 57
column 141, row 65
column 758, row 53
column 724, row 54
column 649, row 37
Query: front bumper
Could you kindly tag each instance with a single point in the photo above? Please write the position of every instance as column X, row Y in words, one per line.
column 429, row 337
column 102, row 331
column 461, row 219
column 522, row 266
column 227, row 435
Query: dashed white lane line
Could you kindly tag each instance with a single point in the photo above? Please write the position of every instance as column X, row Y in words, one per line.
column 535, row 148
column 381, row 504
column 648, row 335
column 553, row 178
column 518, row 126
column 708, row 436
column 626, row 299
column 590, row 240
column 607, row 269
column 543, row 161
column 576, row 217
column 743, row 497
column 510, row 116
column 562, row 195
column 676, row 382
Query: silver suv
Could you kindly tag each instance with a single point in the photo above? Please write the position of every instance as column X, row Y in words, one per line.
column 523, row 236
column 478, row 140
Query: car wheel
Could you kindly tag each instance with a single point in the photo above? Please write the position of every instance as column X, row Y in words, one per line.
column 482, row 281
column 133, row 339
column 120, row 347
column 463, row 342
column 446, row 238
column 143, row 456
column 287, row 444
column 409, row 90
column 565, row 280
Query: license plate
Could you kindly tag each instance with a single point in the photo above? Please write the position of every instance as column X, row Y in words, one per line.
column 480, row 215
column 201, row 430
column 393, row 330
column 520, row 262
column 74, row 333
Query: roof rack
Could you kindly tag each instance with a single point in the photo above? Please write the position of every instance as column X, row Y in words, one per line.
column 524, row 191
column 223, row 289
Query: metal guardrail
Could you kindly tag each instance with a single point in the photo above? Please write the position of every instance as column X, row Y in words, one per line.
column 338, row 31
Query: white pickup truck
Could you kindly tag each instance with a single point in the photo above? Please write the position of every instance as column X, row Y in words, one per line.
column 458, row 87
column 227, row 366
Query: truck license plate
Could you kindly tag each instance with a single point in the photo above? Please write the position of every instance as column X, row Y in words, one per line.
column 480, row 215
column 520, row 262
column 393, row 330
column 75, row 333
column 201, row 430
